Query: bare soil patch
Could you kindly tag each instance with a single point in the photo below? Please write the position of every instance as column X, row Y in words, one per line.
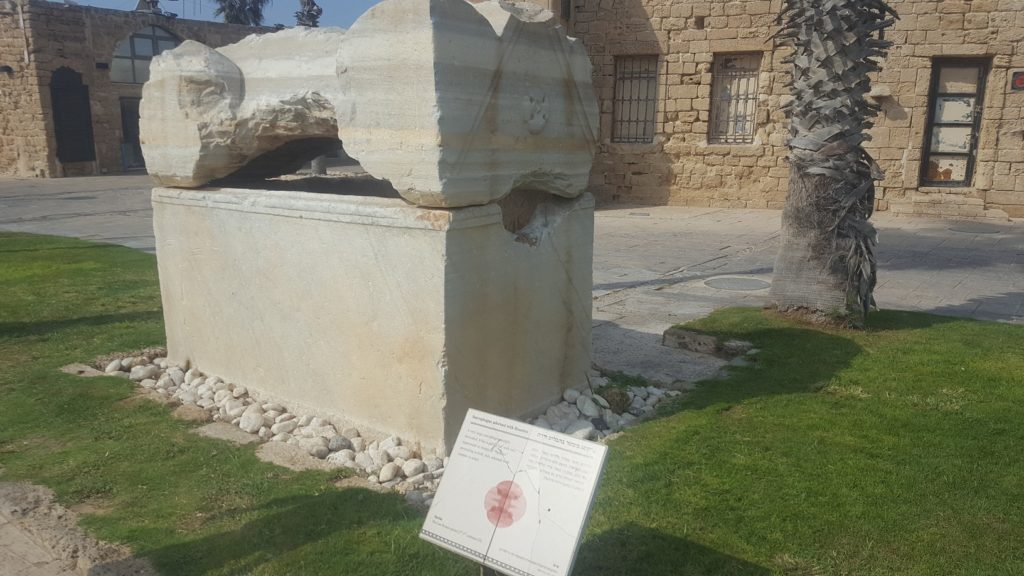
column 34, row 511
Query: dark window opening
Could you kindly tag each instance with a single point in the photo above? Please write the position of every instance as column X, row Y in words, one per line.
column 72, row 117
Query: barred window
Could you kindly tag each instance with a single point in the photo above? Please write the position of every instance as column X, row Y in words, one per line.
column 636, row 98
column 734, row 98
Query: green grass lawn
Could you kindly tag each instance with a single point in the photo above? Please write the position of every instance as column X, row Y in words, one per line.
column 898, row 450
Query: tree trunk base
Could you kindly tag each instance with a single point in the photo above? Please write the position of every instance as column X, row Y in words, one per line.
column 803, row 277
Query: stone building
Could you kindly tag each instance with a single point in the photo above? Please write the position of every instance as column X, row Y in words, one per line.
column 690, row 93
column 71, row 80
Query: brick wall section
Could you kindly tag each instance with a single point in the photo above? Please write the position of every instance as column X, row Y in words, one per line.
column 680, row 167
column 78, row 37
column 22, row 125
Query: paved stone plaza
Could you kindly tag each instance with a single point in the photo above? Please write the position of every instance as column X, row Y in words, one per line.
column 650, row 263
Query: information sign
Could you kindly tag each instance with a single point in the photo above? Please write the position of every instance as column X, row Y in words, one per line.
column 515, row 497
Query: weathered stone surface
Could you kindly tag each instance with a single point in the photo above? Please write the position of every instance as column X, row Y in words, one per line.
column 225, row 431
column 192, row 413
column 203, row 118
column 252, row 419
column 494, row 97
column 454, row 103
column 82, row 370
column 676, row 337
column 293, row 457
column 419, row 284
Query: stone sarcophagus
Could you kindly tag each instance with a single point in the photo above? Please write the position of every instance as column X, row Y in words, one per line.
column 454, row 274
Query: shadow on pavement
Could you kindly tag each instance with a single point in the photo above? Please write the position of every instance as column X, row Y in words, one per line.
column 1008, row 306
column 900, row 250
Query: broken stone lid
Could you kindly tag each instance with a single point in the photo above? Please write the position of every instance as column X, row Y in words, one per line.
column 455, row 103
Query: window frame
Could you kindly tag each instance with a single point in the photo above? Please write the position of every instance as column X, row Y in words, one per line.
column 642, row 109
column 715, row 110
column 984, row 66
column 154, row 34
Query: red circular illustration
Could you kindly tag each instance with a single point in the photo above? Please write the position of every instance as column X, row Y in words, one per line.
column 505, row 504
column 1018, row 81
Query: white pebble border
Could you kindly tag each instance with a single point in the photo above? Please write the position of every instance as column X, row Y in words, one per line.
column 385, row 462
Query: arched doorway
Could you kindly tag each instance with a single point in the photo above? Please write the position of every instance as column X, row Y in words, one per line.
column 72, row 117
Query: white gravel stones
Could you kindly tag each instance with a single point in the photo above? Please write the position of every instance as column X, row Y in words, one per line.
column 316, row 446
column 414, row 467
column 192, row 374
column 252, row 419
column 388, row 472
column 342, row 457
column 400, row 452
column 176, row 375
column 365, row 462
column 285, row 427
column 140, row 373
column 583, row 414
column 339, row 442
column 588, row 407
column 580, row 429
column 233, row 408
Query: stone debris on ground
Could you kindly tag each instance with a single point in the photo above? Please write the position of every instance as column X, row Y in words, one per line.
column 237, row 415
column 39, row 536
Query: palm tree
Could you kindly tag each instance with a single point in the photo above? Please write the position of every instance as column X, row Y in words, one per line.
column 826, row 264
column 245, row 12
column 309, row 14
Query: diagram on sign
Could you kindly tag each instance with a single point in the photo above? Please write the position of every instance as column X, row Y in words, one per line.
column 515, row 497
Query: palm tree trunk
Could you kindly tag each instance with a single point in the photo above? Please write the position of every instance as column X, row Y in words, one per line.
column 803, row 278
column 826, row 264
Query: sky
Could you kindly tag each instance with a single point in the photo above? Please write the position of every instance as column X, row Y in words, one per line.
column 336, row 12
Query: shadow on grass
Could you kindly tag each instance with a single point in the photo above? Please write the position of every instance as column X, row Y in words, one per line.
column 794, row 358
column 634, row 549
column 23, row 329
column 58, row 248
column 281, row 526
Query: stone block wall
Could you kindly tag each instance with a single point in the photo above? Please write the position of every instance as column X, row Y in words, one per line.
column 77, row 37
column 22, row 125
column 681, row 167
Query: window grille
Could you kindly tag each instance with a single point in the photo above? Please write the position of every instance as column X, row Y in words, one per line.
column 636, row 99
column 133, row 55
column 734, row 98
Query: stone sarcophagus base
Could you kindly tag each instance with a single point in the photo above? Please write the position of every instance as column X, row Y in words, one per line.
column 376, row 313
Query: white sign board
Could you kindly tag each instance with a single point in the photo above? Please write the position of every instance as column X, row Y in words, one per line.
column 515, row 497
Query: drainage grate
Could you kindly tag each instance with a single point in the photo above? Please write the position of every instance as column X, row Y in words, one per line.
column 737, row 284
